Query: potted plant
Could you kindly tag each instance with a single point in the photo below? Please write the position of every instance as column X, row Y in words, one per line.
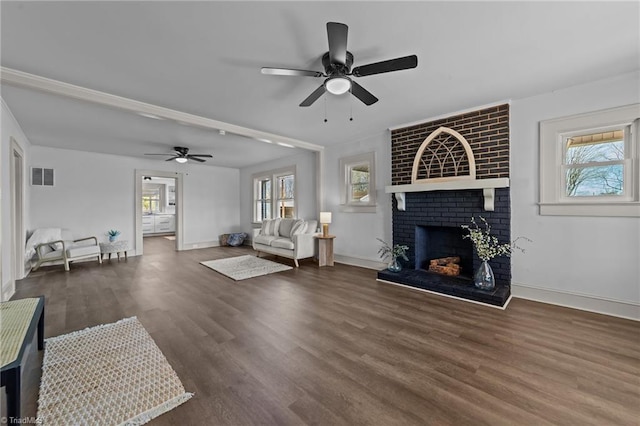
column 487, row 247
column 393, row 253
column 113, row 234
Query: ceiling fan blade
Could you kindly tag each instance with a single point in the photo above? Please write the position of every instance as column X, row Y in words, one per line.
column 191, row 157
column 397, row 64
column 172, row 158
column 313, row 97
column 290, row 71
column 363, row 94
column 337, row 33
column 200, row 155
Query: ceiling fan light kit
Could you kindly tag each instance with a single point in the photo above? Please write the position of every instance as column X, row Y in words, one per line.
column 337, row 85
column 181, row 160
column 337, row 66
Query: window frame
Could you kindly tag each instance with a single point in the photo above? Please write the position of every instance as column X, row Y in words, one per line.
column 552, row 144
column 273, row 176
column 347, row 164
column 157, row 198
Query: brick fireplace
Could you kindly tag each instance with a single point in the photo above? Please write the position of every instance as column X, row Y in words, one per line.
column 428, row 214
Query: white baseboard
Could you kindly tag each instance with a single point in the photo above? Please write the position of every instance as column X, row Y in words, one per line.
column 204, row 244
column 8, row 290
column 356, row 261
column 583, row 302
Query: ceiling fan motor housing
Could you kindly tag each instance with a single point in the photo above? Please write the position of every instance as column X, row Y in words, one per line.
column 337, row 68
column 182, row 150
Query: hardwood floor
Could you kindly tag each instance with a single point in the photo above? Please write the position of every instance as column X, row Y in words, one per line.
column 332, row 346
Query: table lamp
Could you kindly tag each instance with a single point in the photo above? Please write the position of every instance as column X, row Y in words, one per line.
column 325, row 220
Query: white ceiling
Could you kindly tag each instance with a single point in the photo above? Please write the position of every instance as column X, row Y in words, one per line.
column 204, row 58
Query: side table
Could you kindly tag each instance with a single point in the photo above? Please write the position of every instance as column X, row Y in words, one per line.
column 114, row 247
column 325, row 250
column 20, row 320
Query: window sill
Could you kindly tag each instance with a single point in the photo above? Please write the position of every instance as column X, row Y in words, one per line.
column 622, row 209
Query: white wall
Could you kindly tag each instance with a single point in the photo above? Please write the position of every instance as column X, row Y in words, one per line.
column 356, row 233
column 305, row 163
column 95, row 192
column 590, row 263
column 10, row 128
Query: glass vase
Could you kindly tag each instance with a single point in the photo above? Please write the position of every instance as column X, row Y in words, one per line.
column 483, row 278
column 394, row 265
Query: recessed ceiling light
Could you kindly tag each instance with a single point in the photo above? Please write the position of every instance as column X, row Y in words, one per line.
column 222, row 132
column 285, row 145
column 155, row 117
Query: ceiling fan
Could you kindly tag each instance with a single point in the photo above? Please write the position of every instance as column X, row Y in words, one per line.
column 337, row 69
column 181, row 155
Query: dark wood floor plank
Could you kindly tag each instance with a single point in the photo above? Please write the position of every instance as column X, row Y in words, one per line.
column 332, row 346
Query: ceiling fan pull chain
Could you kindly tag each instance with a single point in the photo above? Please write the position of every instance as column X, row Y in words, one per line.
column 350, row 106
column 325, row 109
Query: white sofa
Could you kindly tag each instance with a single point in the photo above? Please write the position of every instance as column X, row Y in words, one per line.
column 290, row 238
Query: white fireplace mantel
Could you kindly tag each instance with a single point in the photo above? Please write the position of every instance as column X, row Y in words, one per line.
column 488, row 187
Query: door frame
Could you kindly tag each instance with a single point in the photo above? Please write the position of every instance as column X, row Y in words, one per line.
column 17, row 185
column 139, row 174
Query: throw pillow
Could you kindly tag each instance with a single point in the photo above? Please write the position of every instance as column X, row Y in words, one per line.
column 285, row 227
column 263, row 228
column 276, row 226
column 300, row 227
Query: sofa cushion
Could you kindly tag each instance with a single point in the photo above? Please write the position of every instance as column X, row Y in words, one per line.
column 52, row 254
column 76, row 251
column 298, row 228
column 264, row 239
column 285, row 227
column 282, row 242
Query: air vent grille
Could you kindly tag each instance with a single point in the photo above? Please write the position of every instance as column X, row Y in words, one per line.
column 41, row 176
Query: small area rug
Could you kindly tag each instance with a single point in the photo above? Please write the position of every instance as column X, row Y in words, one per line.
column 243, row 267
column 111, row 374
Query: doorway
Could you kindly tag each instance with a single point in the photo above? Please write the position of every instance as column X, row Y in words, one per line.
column 158, row 198
column 158, row 214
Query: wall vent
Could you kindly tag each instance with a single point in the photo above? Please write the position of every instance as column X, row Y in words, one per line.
column 41, row 176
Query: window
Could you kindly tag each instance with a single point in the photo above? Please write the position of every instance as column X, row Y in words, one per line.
column 263, row 199
column 594, row 164
column 278, row 186
column 589, row 164
column 151, row 200
column 358, row 191
column 285, row 199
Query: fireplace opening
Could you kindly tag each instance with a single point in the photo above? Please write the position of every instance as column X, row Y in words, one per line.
column 442, row 250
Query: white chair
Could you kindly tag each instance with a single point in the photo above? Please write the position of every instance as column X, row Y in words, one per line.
column 67, row 251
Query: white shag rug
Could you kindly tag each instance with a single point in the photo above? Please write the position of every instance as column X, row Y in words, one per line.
column 243, row 267
column 111, row 374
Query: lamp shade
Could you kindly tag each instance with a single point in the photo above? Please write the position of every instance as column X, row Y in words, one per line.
column 325, row 217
